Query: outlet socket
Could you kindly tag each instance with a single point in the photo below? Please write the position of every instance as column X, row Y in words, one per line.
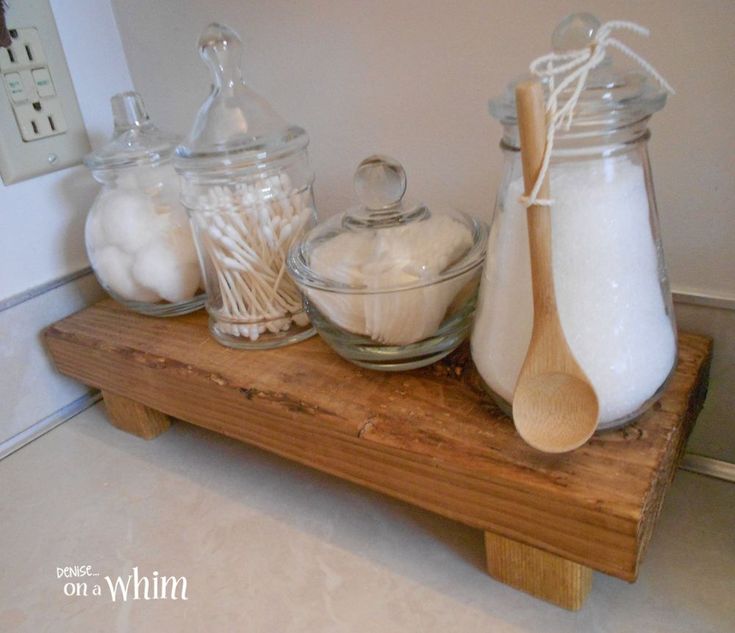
column 26, row 50
column 40, row 119
column 41, row 127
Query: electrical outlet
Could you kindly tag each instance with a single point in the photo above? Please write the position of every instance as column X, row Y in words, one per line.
column 25, row 50
column 40, row 119
column 41, row 128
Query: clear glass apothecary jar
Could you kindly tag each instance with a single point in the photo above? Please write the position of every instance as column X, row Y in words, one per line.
column 137, row 232
column 611, row 285
column 390, row 284
column 247, row 186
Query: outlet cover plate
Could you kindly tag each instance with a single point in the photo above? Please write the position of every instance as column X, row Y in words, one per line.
column 52, row 149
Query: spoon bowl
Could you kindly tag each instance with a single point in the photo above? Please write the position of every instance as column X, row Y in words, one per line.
column 569, row 406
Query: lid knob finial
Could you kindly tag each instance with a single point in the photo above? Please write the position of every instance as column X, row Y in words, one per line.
column 221, row 49
column 574, row 32
column 128, row 111
column 380, row 182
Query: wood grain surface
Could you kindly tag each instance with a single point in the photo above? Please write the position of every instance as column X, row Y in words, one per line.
column 133, row 417
column 431, row 437
column 542, row 574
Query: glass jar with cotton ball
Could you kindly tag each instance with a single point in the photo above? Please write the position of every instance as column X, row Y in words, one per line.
column 247, row 186
column 137, row 233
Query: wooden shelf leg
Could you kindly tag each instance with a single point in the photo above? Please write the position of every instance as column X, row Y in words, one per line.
column 134, row 417
column 542, row 574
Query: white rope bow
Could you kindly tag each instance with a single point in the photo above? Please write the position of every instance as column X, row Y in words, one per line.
column 576, row 65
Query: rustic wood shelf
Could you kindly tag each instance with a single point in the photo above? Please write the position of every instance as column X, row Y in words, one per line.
column 431, row 437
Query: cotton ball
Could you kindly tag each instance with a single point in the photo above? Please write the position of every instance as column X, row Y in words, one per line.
column 167, row 196
column 113, row 267
column 128, row 219
column 191, row 280
column 158, row 267
column 301, row 319
column 94, row 233
column 181, row 242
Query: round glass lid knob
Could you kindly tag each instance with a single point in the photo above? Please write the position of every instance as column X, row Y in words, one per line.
column 574, row 32
column 380, row 182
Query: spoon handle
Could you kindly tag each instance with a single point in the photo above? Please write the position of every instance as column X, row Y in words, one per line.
column 532, row 129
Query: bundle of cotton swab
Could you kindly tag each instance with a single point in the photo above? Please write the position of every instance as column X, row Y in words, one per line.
column 378, row 260
column 140, row 242
column 244, row 232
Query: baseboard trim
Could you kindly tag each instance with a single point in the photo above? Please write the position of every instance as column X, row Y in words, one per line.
column 705, row 300
column 36, row 291
column 708, row 466
column 43, row 426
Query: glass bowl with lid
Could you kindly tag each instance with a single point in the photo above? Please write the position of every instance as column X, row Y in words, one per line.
column 390, row 284
column 137, row 233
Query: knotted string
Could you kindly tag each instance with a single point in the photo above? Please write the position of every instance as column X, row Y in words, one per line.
column 573, row 67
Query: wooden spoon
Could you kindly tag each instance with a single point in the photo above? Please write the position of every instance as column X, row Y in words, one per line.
column 555, row 408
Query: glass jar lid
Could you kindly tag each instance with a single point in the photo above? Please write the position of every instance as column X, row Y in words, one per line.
column 235, row 128
column 612, row 96
column 135, row 140
column 385, row 243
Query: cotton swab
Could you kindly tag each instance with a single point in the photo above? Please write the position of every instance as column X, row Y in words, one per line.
column 245, row 232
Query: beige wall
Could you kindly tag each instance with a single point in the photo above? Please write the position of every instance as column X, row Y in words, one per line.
column 411, row 78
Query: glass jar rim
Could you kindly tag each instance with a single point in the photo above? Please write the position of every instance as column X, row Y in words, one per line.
column 255, row 156
column 304, row 275
column 613, row 101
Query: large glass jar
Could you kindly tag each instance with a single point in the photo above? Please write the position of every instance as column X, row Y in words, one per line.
column 247, row 185
column 137, row 232
column 611, row 286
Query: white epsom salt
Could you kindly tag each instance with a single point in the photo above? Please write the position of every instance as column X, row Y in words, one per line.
column 607, row 281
